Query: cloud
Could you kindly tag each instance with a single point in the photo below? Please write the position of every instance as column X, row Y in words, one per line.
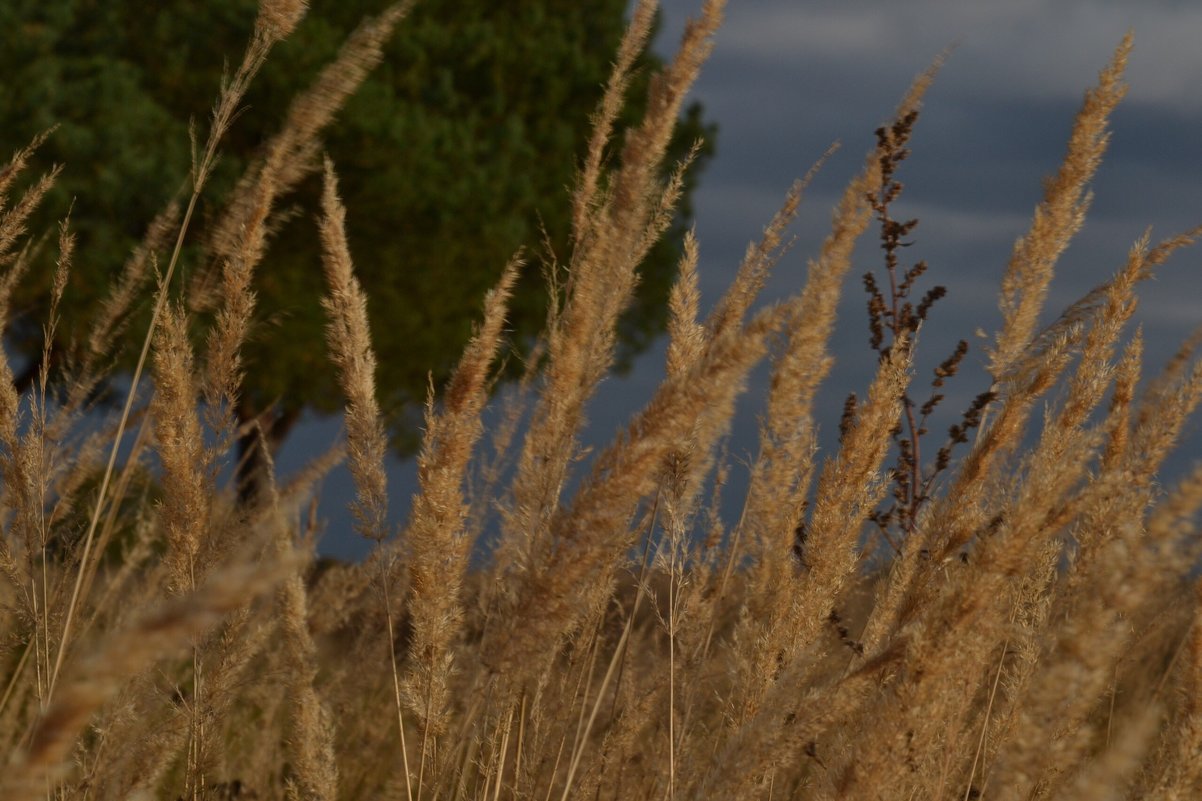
column 1048, row 48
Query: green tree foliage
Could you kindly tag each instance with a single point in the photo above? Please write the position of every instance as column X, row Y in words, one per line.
column 460, row 149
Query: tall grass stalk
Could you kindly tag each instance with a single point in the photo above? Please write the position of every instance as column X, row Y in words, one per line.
column 585, row 623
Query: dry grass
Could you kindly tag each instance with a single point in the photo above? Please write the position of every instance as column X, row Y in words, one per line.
column 1029, row 633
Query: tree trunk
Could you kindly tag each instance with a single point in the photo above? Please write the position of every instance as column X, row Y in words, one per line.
column 251, row 475
column 23, row 380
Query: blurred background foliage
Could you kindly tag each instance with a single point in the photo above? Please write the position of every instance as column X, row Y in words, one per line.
column 460, row 148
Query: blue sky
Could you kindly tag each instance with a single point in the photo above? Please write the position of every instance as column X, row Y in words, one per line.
column 786, row 79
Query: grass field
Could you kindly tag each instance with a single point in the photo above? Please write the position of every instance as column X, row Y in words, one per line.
column 1006, row 610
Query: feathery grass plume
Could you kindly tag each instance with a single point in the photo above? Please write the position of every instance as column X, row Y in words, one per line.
column 1109, row 774
column 786, row 434
column 691, row 340
column 180, row 445
column 751, row 274
column 240, row 238
column 1168, row 401
column 185, row 510
column 32, row 464
column 349, row 339
column 1082, row 309
column 279, row 18
column 1137, row 568
column 587, row 198
column 686, row 468
column 607, row 250
column 1165, row 384
column 758, row 260
column 26, row 461
column 438, row 550
column 1122, row 401
column 786, row 735
column 310, row 745
column 849, row 487
column 686, row 337
column 1178, row 773
column 12, row 220
column 1058, row 217
column 16, row 165
column 1104, row 309
column 92, row 681
column 1094, row 375
column 1063, row 433
column 483, row 490
column 663, row 211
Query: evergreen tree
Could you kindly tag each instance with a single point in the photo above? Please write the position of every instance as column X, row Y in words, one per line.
column 460, row 149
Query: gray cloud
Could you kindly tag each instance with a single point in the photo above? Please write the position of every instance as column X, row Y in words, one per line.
column 1030, row 47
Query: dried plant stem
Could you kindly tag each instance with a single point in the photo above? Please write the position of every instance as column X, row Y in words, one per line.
column 1058, row 217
